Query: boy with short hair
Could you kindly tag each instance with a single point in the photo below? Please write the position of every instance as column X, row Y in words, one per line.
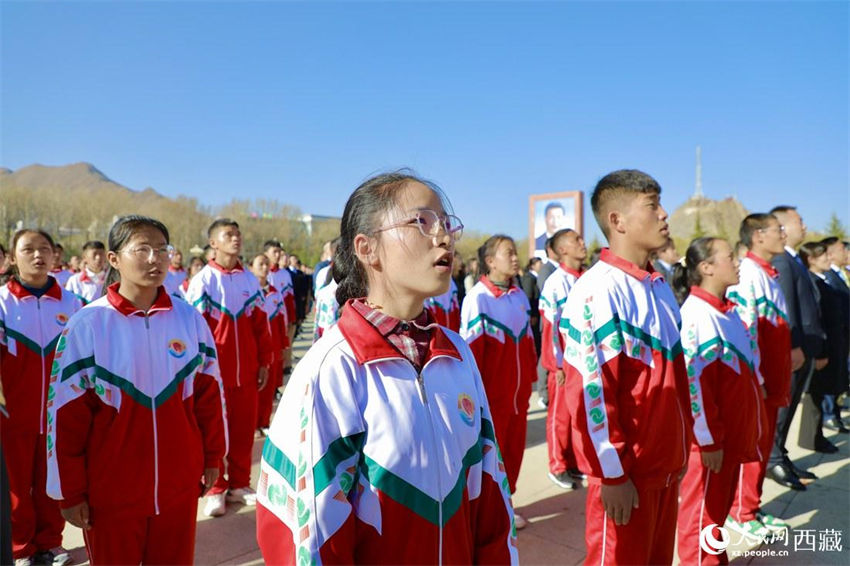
column 88, row 283
column 761, row 305
column 627, row 387
column 571, row 251
column 281, row 279
column 231, row 301
column 58, row 271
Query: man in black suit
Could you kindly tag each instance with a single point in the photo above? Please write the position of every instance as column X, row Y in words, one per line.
column 807, row 342
column 837, row 255
column 528, row 282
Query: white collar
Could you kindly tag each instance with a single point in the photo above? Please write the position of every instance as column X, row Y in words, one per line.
column 791, row 251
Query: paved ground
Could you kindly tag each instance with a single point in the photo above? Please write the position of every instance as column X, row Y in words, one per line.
column 556, row 532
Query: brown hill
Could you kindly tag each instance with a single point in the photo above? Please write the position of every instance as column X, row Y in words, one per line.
column 704, row 216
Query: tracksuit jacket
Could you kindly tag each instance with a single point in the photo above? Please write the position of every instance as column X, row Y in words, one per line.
column 61, row 275
column 497, row 327
column 327, row 309
column 174, row 278
column 628, row 400
column 553, row 297
column 370, row 462
column 135, row 408
column 445, row 308
column 761, row 305
column 276, row 312
column 281, row 280
column 86, row 284
column 728, row 414
column 232, row 304
column 29, row 329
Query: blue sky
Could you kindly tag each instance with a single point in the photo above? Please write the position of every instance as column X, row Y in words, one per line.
column 492, row 100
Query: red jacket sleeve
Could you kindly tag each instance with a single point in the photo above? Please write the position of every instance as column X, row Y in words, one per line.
column 209, row 413
column 263, row 335
column 73, row 424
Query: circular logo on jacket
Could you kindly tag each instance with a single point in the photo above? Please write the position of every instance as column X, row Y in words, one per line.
column 177, row 348
column 466, row 408
column 61, row 319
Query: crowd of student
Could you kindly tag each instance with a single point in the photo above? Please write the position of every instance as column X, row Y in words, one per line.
column 134, row 386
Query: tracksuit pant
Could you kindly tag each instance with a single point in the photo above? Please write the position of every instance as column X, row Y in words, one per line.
column 37, row 523
column 265, row 397
column 647, row 538
column 241, row 422
column 558, row 425
column 705, row 500
column 167, row 538
column 751, row 475
column 510, row 429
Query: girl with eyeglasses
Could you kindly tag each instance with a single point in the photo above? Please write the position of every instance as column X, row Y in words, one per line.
column 135, row 411
column 382, row 449
column 495, row 322
column 34, row 309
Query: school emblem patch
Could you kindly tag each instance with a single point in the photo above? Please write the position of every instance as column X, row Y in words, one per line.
column 466, row 408
column 61, row 319
column 177, row 348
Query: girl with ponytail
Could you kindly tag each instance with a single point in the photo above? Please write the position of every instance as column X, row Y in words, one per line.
column 726, row 395
column 135, row 417
column 384, row 429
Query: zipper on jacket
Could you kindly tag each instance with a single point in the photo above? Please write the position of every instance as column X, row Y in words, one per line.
column 518, row 376
column 420, row 382
column 153, row 413
column 40, row 340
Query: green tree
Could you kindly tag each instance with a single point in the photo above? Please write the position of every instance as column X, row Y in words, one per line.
column 835, row 227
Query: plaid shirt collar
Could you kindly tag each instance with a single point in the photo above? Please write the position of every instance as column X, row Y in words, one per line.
column 374, row 335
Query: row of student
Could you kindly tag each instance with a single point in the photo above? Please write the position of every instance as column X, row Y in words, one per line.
column 58, row 433
column 124, row 392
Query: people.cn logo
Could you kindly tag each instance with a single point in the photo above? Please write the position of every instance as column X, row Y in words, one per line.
column 709, row 544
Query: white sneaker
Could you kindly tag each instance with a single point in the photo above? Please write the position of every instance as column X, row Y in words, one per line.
column 27, row 561
column 244, row 495
column 215, row 505
column 520, row 522
column 61, row 557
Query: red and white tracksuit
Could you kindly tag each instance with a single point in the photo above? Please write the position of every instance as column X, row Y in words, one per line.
column 61, row 275
column 370, row 461
column 497, row 327
column 276, row 311
column 232, row 304
column 173, row 280
column 761, row 305
column 29, row 329
column 327, row 309
column 553, row 297
column 727, row 409
column 627, row 392
column 135, row 414
column 281, row 280
column 445, row 308
column 86, row 284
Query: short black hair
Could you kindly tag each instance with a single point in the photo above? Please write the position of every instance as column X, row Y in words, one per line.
column 782, row 208
column 830, row 241
column 617, row 184
column 94, row 245
column 268, row 244
column 552, row 206
column 557, row 236
column 221, row 223
column 752, row 224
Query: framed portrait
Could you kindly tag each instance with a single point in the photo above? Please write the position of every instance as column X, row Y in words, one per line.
column 550, row 212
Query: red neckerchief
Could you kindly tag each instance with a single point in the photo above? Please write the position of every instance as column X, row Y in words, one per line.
column 125, row 307
column 723, row 305
column 628, row 267
column 766, row 266
column 19, row 291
